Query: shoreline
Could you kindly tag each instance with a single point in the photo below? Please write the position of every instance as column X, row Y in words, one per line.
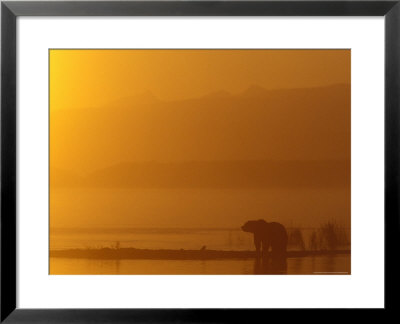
column 147, row 254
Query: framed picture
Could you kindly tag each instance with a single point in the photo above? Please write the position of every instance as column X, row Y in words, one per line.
column 197, row 161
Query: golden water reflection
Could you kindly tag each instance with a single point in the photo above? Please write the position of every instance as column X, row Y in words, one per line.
column 330, row 264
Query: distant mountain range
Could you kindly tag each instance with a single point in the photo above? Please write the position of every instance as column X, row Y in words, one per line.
column 257, row 138
column 253, row 91
column 145, row 98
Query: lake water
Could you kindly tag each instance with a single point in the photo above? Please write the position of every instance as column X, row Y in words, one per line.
column 108, row 210
column 154, row 238
column 216, row 239
column 191, row 219
column 317, row 265
column 176, row 239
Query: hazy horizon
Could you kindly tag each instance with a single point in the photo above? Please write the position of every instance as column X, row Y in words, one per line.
column 244, row 133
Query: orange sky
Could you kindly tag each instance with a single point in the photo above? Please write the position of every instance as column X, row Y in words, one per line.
column 110, row 109
column 92, row 78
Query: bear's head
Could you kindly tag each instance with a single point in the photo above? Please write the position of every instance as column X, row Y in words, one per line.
column 253, row 226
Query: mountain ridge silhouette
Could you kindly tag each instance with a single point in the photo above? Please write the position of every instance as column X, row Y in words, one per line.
column 149, row 98
column 296, row 125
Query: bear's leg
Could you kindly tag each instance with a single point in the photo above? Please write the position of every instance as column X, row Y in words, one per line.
column 257, row 243
column 265, row 248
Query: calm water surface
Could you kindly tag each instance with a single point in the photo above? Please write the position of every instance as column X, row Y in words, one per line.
column 334, row 264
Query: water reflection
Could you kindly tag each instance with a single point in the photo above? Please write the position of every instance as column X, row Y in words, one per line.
column 264, row 265
column 332, row 264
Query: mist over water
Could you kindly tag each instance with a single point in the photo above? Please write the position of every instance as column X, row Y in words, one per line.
column 153, row 238
column 196, row 208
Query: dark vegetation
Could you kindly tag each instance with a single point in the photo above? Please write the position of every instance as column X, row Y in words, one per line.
column 329, row 236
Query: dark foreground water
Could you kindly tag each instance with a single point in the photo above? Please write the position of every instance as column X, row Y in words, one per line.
column 330, row 264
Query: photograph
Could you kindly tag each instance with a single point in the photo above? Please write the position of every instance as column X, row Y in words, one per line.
column 199, row 161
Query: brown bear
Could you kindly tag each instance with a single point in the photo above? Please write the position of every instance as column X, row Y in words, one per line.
column 268, row 235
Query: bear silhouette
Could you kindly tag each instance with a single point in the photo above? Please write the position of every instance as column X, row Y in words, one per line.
column 268, row 235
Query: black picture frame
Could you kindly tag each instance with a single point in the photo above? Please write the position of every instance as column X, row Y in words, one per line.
column 11, row 10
